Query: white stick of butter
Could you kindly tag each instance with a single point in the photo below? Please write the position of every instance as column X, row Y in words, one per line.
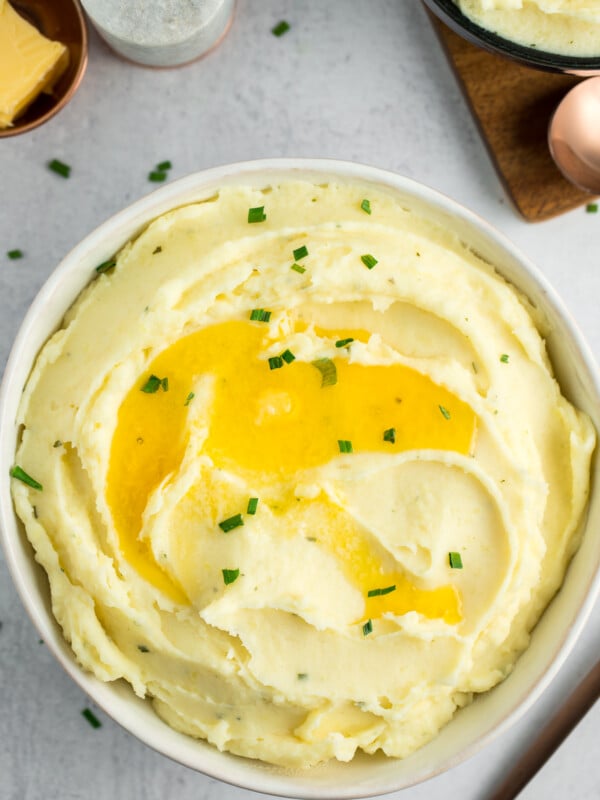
column 29, row 64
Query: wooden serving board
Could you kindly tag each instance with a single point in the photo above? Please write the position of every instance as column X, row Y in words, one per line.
column 512, row 106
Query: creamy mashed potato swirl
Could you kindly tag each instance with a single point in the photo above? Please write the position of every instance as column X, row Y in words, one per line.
column 307, row 482
column 566, row 27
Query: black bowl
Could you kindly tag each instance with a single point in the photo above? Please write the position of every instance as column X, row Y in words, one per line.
column 452, row 16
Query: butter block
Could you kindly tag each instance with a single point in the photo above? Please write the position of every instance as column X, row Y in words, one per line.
column 29, row 64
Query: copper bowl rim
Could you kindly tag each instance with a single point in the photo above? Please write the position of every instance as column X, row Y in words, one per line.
column 17, row 128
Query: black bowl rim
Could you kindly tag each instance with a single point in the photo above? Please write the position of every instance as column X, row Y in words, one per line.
column 450, row 13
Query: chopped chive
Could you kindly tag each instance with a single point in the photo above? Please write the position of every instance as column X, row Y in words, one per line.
column 344, row 342
column 257, row 214
column 189, row 398
column 368, row 260
column 389, row 435
column 366, row 206
column 106, row 265
column 91, row 718
column 302, row 676
column 252, row 506
column 163, row 166
column 59, row 167
column 444, row 412
column 230, row 575
column 281, row 28
column 345, row 445
column 591, row 208
column 231, row 523
column 367, row 628
column 298, row 268
column 455, row 560
column 260, row 315
column 21, row 475
column 300, row 252
column 381, row 592
column 156, row 176
column 288, row 356
column 275, row 362
column 142, row 648
column 57, row 443
column 504, row 358
column 14, row 254
column 474, row 365
column 154, row 383
column 328, row 371
column 157, row 249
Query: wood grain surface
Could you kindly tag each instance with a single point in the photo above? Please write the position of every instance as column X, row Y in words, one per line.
column 512, row 106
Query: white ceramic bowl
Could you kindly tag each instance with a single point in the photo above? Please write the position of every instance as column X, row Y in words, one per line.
column 555, row 634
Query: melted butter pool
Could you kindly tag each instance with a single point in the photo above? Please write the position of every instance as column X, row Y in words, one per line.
column 276, row 422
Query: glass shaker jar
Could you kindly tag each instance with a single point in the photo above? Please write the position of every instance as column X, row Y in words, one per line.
column 160, row 33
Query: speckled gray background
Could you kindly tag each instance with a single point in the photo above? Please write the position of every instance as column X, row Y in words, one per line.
column 363, row 81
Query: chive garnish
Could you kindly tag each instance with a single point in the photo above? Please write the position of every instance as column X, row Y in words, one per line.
column 154, row 383
column 444, row 412
column 302, row 676
column 91, row 718
column 288, row 356
column 20, row 474
column 298, row 268
column 455, row 560
column 157, row 249
column 300, row 252
column 257, row 214
column 281, row 28
column 345, row 445
column 591, row 208
column 260, row 315
column 189, row 398
column 328, row 371
column 230, row 575
column 504, row 358
column 275, row 362
column 366, row 206
column 157, row 176
column 62, row 169
column 106, row 265
column 368, row 260
column 231, row 523
column 367, row 628
column 163, row 166
column 14, row 254
column 57, row 443
column 381, row 592
column 344, row 342
column 142, row 648
column 252, row 506
column 390, row 435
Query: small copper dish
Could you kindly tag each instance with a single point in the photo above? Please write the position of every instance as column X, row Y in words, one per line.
column 63, row 21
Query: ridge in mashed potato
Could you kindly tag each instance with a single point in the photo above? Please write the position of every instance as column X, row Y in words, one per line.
column 307, row 481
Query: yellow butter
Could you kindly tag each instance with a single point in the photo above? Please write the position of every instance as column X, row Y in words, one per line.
column 29, row 64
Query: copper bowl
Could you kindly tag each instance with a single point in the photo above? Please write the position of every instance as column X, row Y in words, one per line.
column 62, row 20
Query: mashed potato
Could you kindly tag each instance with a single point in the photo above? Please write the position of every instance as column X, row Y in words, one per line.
column 298, row 470
column 567, row 27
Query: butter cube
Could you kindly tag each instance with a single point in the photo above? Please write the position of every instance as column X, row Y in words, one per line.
column 29, row 64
